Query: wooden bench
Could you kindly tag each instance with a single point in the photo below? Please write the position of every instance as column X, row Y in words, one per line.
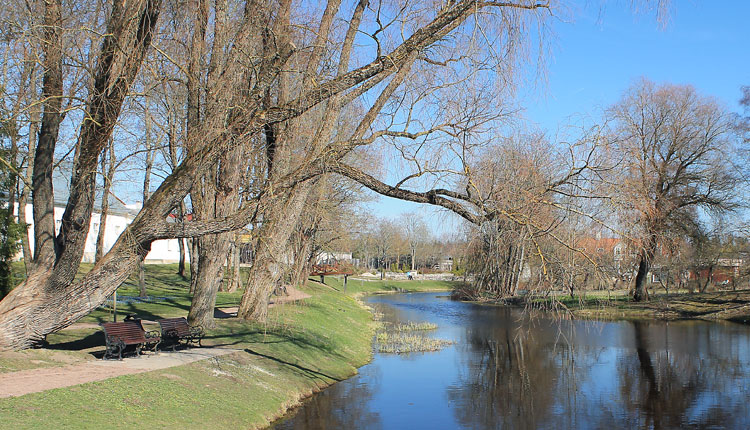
column 120, row 335
column 177, row 330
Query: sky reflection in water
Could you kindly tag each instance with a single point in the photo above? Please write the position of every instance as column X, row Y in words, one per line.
column 511, row 371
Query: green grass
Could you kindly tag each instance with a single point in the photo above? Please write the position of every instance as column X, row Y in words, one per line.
column 303, row 348
column 366, row 286
column 730, row 305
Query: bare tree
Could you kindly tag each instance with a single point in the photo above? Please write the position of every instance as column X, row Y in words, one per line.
column 50, row 299
column 672, row 145
column 416, row 232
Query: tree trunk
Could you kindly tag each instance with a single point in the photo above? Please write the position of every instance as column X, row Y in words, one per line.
column 181, row 243
column 224, row 186
column 644, row 266
column 49, row 299
column 194, row 262
column 271, row 242
column 181, row 261
column 209, row 276
column 236, row 280
column 109, row 168
column 709, row 275
column 52, row 93
column 302, row 260
column 28, row 257
column 146, row 193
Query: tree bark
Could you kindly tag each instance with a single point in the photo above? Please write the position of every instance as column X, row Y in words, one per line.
column 272, row 240
column 52, row 93
column 49, row 299
column 215, row 247
column 194, row 262
column 181, row 243
column 28, row 256
column 235, row 282
column 645, row 257
column 108, row 168
column 146, row 194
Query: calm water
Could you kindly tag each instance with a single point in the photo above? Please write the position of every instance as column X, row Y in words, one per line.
column 509, row 371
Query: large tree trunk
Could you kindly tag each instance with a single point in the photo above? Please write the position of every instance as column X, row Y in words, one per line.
column 52, row 93
column 271, row 244
column 644, row 265
column 28, row 257
column 48, row 299
column 209, row 276
column 215, row 247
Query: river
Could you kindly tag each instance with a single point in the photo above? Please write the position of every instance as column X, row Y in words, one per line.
column 511, row 370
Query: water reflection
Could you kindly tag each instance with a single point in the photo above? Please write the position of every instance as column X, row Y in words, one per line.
column 691, row 385
column 509, row 370
column 347, row 407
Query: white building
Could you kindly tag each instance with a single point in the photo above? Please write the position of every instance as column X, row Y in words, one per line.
column 333, row 257
column 118, row 218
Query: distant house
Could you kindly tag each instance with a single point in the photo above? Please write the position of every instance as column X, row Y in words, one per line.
column 333, row 257
column 605, row 247
column 445, row 264
column 119, row 216
column 724, row 271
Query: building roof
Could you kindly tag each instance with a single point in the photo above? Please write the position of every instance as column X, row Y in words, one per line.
column 592, row 244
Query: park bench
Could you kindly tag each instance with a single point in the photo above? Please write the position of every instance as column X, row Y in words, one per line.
column 119, row 336
column 177, row 330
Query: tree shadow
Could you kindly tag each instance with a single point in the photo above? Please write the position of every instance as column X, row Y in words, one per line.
column 306, row 371
column 91, row 341
column 218, row 313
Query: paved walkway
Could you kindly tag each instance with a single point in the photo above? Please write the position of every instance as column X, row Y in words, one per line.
column 34, row 380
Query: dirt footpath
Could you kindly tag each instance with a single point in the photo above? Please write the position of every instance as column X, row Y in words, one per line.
column 34, row 380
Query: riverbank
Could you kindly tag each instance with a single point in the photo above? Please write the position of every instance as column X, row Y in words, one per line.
column 618, row 305
column 304, row 347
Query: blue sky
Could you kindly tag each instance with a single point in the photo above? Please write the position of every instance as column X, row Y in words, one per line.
column 598, row 53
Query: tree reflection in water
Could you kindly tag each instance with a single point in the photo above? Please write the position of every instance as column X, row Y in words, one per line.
column 680, row 375
column 509, row 370
column 691, row 385
column 346, row 407
column 514, row 373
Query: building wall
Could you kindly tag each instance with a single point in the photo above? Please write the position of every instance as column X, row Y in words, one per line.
column 162, row 251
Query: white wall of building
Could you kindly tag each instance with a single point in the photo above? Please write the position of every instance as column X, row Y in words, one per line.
column 162, row 251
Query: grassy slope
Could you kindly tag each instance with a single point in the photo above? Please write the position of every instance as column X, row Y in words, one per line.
column 302, row 349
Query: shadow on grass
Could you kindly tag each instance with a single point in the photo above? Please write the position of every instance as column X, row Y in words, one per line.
column 93, row 340
column 307, row 371
column 218, row 313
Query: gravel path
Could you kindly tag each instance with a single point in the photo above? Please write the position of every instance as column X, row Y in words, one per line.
column 34, row 380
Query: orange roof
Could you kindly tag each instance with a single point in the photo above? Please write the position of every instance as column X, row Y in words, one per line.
column 605, row 244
